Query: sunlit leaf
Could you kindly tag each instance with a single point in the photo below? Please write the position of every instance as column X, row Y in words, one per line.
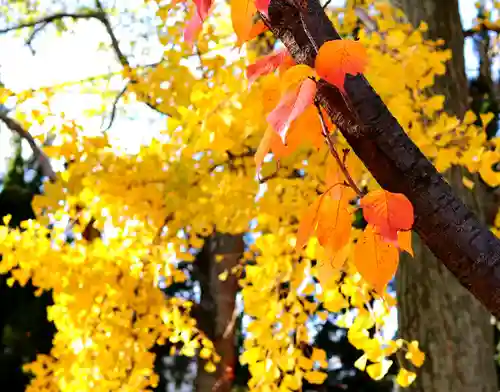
column 375, row 259
column 291, row 106
column 337, row 58
column 388, row 212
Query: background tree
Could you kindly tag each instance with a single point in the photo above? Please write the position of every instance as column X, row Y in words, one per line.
column 434, row 309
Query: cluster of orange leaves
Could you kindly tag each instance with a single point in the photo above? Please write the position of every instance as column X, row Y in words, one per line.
column 389, row 215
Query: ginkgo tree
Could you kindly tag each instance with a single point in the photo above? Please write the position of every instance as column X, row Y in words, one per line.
column 330, row 136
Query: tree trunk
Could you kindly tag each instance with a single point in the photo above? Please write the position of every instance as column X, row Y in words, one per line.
column 452, row 327
column 221, row 318
column 217, row 307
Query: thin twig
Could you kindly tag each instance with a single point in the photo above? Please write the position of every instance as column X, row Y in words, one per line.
column 103, row 17
column 114, row 108
column 363, row 16
column 49, row 19
column 231, row 324
column 157, row 238
column 44, row 161
column 333, row 151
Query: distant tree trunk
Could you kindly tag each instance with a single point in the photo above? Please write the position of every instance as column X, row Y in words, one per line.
column 453, row 328
column 217, row 316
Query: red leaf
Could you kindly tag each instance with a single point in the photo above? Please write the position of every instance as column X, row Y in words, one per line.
column 388, row 212
column 266, row 65
column 192, row 28
column 337, row 58
column 263, row 6
column 203, row 8
column 291, row 106
column 194, row 25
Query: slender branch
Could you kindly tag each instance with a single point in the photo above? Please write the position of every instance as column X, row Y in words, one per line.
column 232, row 322
column 333, row 151
column 114, row 108
column 103, row 17
column 481, row 27
column 363, row 16
column 43, row 160
column 327, row 3
column 49, row 19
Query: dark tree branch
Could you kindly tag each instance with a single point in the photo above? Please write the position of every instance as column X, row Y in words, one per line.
column 39, row 155
column 50, row 19
column 114, row 107
column 450, row 230
column 481, row 28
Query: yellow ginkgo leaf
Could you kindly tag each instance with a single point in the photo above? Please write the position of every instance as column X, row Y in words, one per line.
column 405, row 377
column 378, row 370
column 315, row 377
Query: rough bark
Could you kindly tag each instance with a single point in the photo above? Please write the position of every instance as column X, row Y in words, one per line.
column 452, row 327
column 217, row 307
column 449, row 228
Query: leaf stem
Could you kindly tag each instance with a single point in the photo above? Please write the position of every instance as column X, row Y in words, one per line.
column 334, row 152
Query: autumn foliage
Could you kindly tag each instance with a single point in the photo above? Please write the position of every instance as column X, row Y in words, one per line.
column 245, row 147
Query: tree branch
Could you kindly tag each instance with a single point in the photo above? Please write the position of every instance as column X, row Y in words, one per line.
column 49, row 19
column 114, row 107
column 480, row 28
column 44, row 161
column 450, row 230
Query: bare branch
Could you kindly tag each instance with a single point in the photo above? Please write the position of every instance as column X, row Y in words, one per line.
column 103, row 17
column 49, row 19
column 44, row 161
column 363, row 16
column 480, row 28
column 114, row 108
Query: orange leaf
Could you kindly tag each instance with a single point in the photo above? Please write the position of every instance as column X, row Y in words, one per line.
column 257, row 29
column 263, row 149
column 404, row 241
column 291, row 106
column 265, row 65
column 308, row 222
column 375, row 259
column 242, row 12
column 388, row 212
column 337, row 58
column 327, row 266
column 306, row 127
column 334, row 223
